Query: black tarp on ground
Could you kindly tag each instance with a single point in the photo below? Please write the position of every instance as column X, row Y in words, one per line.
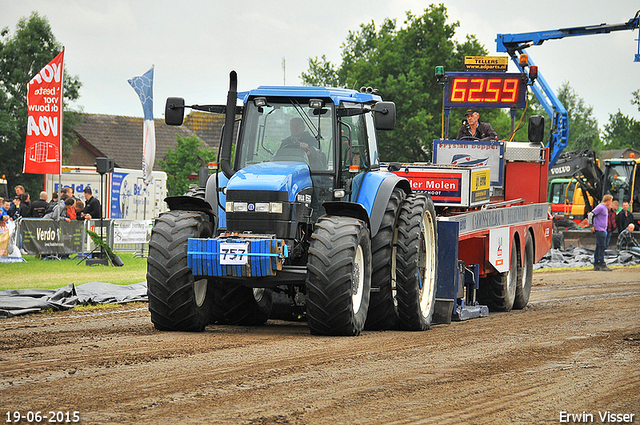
column 14, row 302
column 583, row 257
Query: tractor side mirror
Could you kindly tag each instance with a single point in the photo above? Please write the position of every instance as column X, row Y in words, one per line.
column 174, row 111
column 385, row 115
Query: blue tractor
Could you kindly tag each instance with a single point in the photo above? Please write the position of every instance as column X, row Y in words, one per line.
column 300, row 219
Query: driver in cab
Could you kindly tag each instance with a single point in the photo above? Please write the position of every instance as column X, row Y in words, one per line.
column 299, row 136
column 472, row 128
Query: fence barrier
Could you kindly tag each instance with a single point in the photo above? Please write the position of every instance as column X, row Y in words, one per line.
column 49, row 237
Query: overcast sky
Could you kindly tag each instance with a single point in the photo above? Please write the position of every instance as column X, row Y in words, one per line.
column 195, row 43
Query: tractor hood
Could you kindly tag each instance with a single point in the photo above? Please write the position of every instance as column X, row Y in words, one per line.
column 277, row 176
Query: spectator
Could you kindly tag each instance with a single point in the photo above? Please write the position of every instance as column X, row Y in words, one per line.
column 599, row 227
column 6, row 204
column 53, row 202
column 70, row 204
column 626, row 241
column 14, row 209
column 24, row 200
column 79, row 206
column 624, row 217
column 92, row 207
column 70, row 192
column 2, row 210
column 611, row 223
column 39, row 207
column 59, row 210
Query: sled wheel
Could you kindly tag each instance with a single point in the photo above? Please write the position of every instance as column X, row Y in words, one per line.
column 498, row 291
column 525, row 276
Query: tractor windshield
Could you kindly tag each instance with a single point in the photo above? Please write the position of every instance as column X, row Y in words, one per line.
column 618, row 181
column 287, row 130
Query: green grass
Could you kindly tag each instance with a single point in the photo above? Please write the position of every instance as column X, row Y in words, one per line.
column 36, row 273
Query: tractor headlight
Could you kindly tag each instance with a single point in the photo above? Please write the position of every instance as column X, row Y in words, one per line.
column 262, row 207
column 275, row 208
column 240, row 207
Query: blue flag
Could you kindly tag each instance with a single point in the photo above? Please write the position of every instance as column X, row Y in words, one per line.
column 143, row 85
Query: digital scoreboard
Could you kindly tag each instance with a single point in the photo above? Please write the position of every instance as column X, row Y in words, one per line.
column 485, row 89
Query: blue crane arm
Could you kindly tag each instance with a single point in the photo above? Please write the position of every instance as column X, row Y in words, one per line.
column 555, row 109
column 514, row 44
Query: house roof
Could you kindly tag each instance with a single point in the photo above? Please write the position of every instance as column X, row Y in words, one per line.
column 208, row 126
column 120, row 138
column 619, row 153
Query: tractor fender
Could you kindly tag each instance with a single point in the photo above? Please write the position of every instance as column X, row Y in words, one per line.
column 191, row 203
column 375, row 192
column 347, row 209
column 215, row 196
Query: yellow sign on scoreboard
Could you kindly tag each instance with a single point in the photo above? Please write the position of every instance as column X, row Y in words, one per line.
column 486, row 63
column 480, row 181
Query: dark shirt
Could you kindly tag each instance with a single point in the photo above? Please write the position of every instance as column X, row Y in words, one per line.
column 484, row 131
column 14, row 211
column 626, row 240
column 92, row 207
column 611, row 221
column 304, row 138
column 38, row 208
column 623, row 219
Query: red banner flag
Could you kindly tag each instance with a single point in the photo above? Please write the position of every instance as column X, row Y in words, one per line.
column 43, row 150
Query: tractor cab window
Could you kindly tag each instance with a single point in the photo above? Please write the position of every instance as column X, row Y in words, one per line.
column 618, row 182
column 562, row 192
column 354, row 143
column 287, row 130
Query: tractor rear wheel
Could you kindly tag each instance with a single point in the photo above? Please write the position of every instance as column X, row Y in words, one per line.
column 383, row 307
column 416, row 263
column 177, row 301
column 338, row 276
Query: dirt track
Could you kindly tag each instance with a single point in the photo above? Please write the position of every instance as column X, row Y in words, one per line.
column 575, row 348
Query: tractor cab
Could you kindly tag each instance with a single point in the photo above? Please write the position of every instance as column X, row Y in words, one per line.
column 315, row 144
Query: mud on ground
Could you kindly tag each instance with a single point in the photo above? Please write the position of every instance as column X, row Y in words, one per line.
column 574, row 349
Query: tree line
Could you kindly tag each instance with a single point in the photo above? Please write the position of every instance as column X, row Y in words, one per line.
column 397, row 60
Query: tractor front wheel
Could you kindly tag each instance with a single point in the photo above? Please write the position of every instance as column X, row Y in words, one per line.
column 177, row 301
column 338, row 276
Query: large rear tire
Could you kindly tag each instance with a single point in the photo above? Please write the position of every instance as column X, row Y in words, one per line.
column 338, row 276
column 417, row 263
column 177, row 301
column 383, row 307
column 498, row 291
column 235, row 304
column 525, row 276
